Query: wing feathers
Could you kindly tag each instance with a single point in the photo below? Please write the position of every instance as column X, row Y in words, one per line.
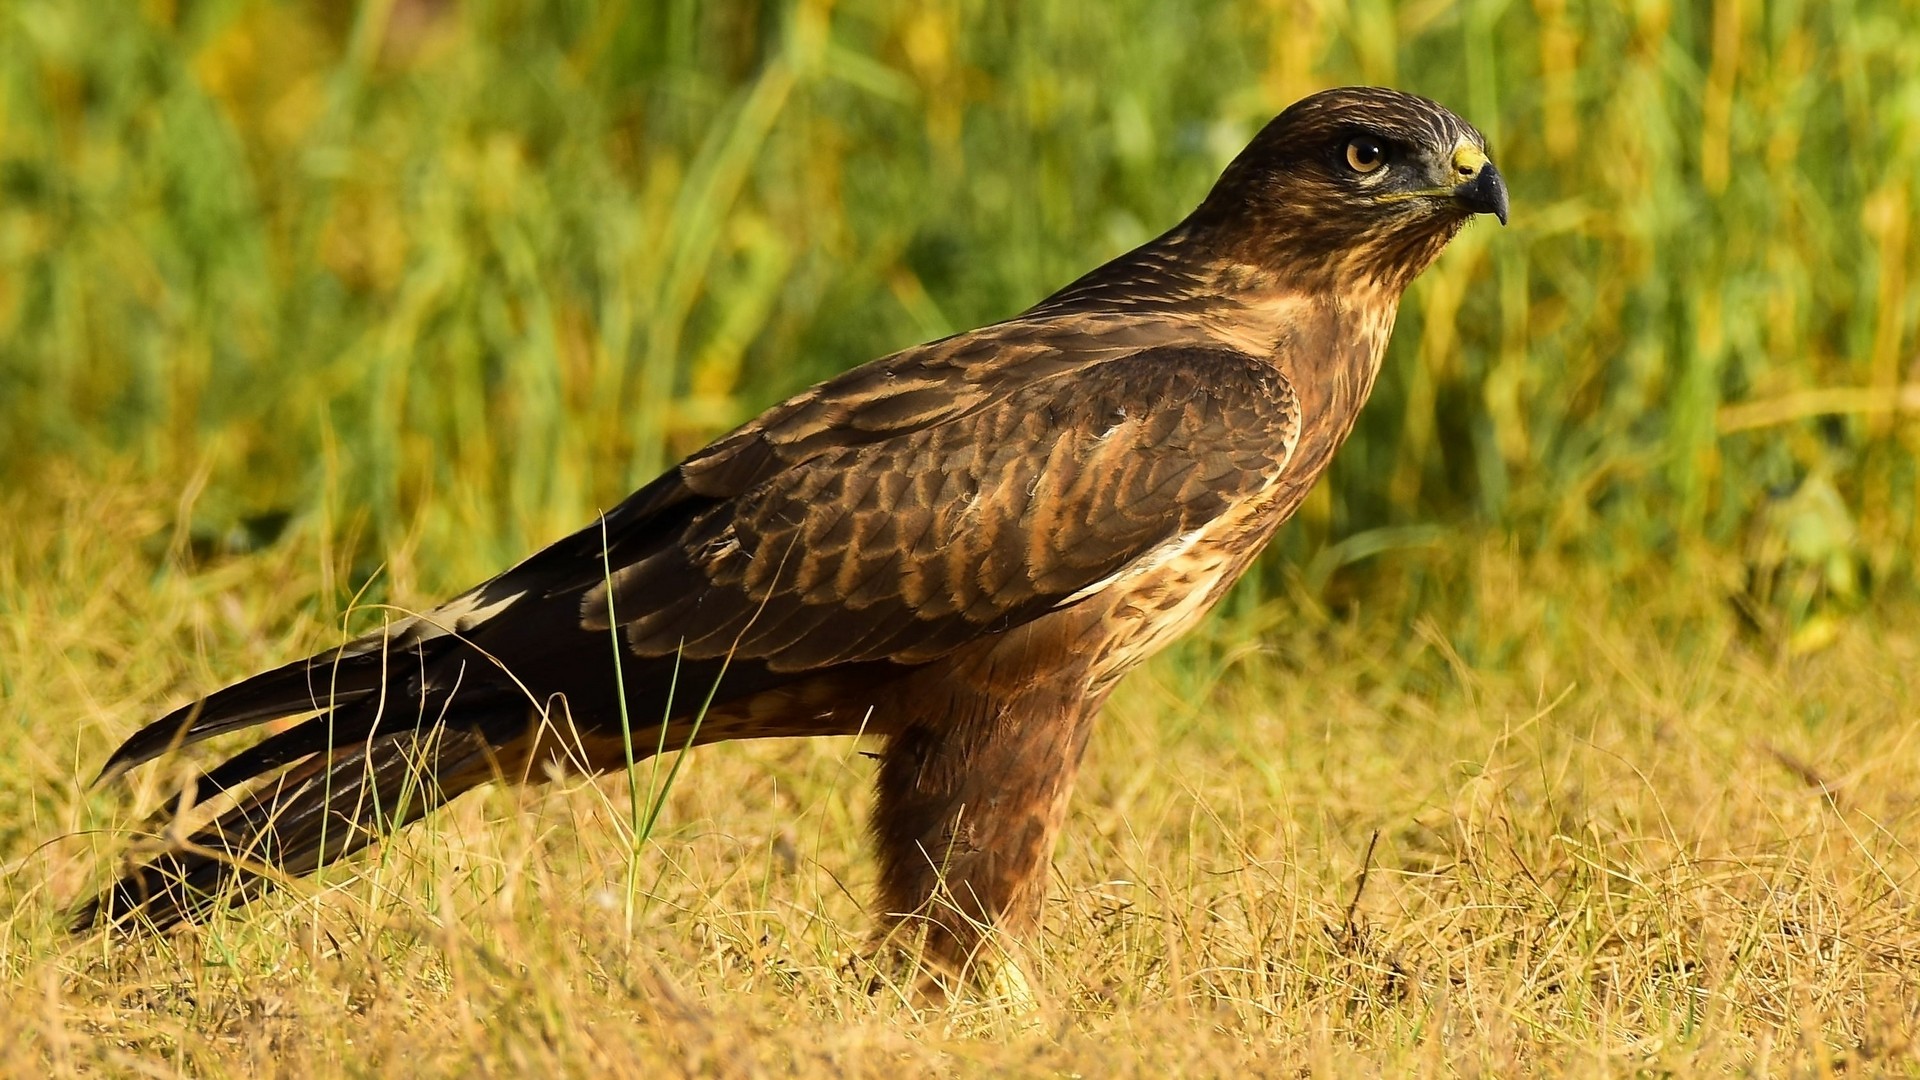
column 319, row 811
column 957, row 527
column 318, row 682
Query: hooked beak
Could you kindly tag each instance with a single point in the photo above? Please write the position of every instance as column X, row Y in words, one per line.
column 1479, row 188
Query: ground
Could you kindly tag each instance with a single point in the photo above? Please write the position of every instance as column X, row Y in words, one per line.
column 1547, row 824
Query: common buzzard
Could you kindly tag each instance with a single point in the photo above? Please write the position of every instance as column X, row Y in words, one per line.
column 958, row 548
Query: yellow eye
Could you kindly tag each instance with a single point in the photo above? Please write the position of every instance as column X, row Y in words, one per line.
column 1364, row 154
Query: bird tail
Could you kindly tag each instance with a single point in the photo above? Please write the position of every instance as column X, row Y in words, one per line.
column 397, row 735
column 339, row 683
column 339, row 797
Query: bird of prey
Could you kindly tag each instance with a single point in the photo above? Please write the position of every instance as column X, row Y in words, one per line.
column 958, row 548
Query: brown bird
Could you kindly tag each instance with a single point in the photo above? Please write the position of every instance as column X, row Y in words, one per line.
column 959, row 548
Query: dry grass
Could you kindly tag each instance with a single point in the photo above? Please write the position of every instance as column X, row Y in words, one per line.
column 1611, row 839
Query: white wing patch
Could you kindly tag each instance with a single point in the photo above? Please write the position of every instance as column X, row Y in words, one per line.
column 1154, row 558
column 456, row 616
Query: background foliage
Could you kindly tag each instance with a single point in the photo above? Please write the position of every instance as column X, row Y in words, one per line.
column 445, row 277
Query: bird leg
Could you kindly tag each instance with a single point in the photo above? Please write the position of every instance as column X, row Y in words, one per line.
column 965, row 822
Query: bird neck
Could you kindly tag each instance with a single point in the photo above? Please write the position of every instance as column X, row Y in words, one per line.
column 1324, row 321
column 1203, row 259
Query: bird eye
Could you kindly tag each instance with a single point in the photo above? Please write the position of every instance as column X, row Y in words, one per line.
column 1365, row 154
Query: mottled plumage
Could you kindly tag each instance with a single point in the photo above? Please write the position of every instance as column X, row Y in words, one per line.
column 957, row 548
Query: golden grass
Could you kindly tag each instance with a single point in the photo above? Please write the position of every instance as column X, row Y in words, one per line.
column 1613, row 838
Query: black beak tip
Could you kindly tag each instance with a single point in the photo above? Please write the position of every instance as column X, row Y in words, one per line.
column 1486, row 193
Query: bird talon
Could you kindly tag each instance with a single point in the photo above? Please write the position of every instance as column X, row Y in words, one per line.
column 1002, row 982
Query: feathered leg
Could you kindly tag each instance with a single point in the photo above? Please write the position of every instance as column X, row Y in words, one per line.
column 968, row 810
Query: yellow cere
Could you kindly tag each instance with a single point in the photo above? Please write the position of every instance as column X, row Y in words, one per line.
column 1468, row 160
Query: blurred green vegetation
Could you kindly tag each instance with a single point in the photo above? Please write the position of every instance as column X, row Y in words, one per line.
column 447, row 275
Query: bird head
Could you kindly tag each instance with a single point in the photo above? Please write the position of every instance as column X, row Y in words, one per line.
column 1353, row 184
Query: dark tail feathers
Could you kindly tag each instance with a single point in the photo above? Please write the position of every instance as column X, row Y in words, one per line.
column 318, row 683
column 328, row 806
column 395, row 745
